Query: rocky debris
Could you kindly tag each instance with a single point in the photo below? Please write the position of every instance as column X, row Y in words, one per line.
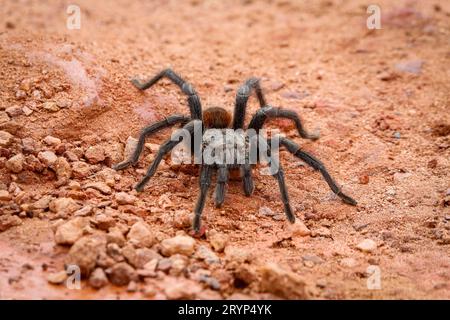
column 57, row 277
column 178, row 264
column 115, row 236
column 164, row 264
column 104, row 222
column 8, row 221
column 63, row 206
column 138, row 258
column 132, row 286
column 95, row 154
column 244, row 275
column 104, row 260
column 124, row 198
column 204, row 276
column 6, row 138
column 48, row 158
column 266, row 211
column 348, row 262
column 14, row 111
column 71, row 156
column 140, row 235
column 98, row 279
column 205, row 254
column 367, row 245
column 182, row 219
column 298, row 229
column 321, row 232
column 15, row 163
column 33, row 164
column 114, row 251
column 43, row 203
column 84, row 253
column 311, row 260
column 179, row 244
column 294, row 95
column 52, row 141
column 217, row 240
column 62, row 169
column 50, row 106
column 360, row 226
column 179, row 288
column 113, row 153
column 4, row 195
column 29, row 145
column 363, row 179
column 69, row 232
column 412, row 66
column 121, row 274
column 4, row 117
column 107, row 175
column 100, row 186
column 130, row 146
column 239, row 255
column 282, row 283
column 27, row 111
column 81, row 169
column 63, row 103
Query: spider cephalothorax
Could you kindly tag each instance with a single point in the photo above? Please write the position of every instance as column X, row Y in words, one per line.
column 222, row 135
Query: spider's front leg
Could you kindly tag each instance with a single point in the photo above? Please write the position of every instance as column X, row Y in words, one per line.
column 205, row 182
column 242, row 96
column 222, row 179
column 147, row 131
column 192, row 127
column 193, row 99
column 247, row 179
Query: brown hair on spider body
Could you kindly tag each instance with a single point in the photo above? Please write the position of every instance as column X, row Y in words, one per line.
column 216, row 117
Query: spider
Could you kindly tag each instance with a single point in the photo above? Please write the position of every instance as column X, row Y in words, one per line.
column 219, row 119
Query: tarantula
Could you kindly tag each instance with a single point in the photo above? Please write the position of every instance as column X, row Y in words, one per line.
column 219, row 119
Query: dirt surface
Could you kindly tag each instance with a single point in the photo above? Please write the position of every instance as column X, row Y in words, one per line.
column 380, row 98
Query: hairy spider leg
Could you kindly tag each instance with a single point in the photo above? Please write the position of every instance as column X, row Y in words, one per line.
column 293, row 148
column 242, row 96
column 164, row 149
column 147, row 131
column 260, row 117
column 247, row 179
column 222, row 179
column 279, row 176
column 195, row 105
column 205, row 182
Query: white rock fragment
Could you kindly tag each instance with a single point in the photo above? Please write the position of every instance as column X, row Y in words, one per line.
column 367, row 245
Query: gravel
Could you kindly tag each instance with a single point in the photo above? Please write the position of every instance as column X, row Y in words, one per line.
column 69, row 232
column 282, row 283
column 6, row 138
column 63, row 206
column 180, row 244
column 121, row 274
column 15, row 163
column 98, row 278
column 367, row 245
column 84, row 253
column 48, row 158
column 95, row 154
column 124, row 198
column 140, row 235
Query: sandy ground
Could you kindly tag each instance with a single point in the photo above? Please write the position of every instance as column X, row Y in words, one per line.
column 380, row 98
